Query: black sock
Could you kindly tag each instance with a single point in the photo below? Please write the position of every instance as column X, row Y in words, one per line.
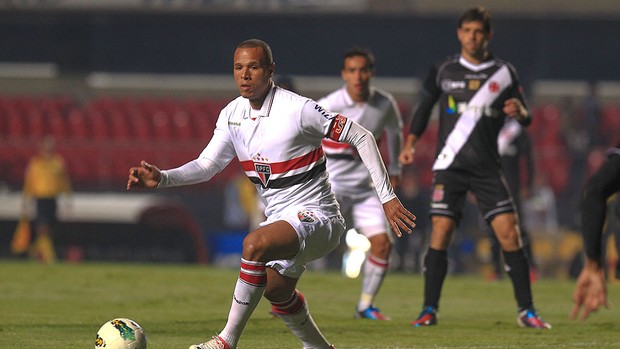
column 519, row 272
column 435, row 270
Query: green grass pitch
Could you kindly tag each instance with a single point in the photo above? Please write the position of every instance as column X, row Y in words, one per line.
column 63, row 305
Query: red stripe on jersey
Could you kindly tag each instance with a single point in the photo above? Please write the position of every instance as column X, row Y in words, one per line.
column 337, row 127
column 289, row 165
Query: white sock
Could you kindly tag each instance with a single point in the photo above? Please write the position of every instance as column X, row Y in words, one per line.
column 297, row 318
column 375, row 270
column 248, row 292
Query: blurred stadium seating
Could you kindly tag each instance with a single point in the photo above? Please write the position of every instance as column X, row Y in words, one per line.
column 102, row 138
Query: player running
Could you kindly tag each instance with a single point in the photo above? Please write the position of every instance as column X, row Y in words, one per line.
column 276, row 136
column 375, row 110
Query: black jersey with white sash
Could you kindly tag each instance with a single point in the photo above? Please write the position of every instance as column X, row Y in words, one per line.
column 471, row 99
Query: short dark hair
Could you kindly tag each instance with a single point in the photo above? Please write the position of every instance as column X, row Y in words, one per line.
column 477, row 14
column 360, row 52
column 251, row 43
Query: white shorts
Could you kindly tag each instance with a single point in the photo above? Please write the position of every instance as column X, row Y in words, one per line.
column 319, row 233
column 364, row 212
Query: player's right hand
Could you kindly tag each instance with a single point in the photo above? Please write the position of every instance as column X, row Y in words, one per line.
column 406, row 155
column 144, row 176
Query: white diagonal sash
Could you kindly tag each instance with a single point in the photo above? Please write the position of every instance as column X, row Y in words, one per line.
column 470, row 117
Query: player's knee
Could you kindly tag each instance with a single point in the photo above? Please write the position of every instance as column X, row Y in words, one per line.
column 253, row 248
column 381, row 246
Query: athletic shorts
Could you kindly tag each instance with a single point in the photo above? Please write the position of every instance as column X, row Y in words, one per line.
column 319, row 233
column 46, row 211
column 363, row 212
column 450, row 189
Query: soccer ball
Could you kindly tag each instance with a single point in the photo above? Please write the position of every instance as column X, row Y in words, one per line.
column 120, row 333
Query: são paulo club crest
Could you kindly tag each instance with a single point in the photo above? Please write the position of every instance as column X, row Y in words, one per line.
column 264, row 172
column 306, row 216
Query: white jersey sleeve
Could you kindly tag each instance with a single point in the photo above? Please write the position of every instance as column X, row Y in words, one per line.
column 348, row 131
column 213, row 159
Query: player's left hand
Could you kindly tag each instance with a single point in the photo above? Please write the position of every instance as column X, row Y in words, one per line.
column 399, row 217
column 515, row 109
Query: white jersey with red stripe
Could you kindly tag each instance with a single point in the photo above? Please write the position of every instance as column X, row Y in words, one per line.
column 379, row 115
column 279, row 148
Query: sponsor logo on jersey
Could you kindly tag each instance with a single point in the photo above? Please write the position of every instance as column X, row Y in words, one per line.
column 451, row 85
column 473, row 85
column 483, row 110
column 325, row 113
column 306, row 216
column 479, row 76
column 438, row 193
column 264, row 172
column 234, row 123
column 451, row 109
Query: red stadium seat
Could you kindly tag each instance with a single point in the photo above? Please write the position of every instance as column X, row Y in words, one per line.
column 77, row 124
column 181, row 125
column 161, row 126
column 37, row 127
column 610, row 124
column 15, row 124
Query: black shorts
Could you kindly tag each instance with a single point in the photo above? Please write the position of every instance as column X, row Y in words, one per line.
column 450, row 189
column 46, row 211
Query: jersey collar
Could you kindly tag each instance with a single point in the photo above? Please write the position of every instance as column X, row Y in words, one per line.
column 349, row 102
column 477, row 67
column 265, row 109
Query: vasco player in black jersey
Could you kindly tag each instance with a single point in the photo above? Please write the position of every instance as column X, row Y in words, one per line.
column 476, row 92
column 590, row 290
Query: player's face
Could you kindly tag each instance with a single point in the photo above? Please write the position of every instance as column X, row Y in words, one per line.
column 357, row 74
column 252, row 74
column 474, row 40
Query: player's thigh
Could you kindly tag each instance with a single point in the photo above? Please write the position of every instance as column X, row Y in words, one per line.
column 318, row 233
column 492, row 194
column 277, row 240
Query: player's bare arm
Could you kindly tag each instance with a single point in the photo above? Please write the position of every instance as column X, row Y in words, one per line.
column 406, row 154
column 144, row 176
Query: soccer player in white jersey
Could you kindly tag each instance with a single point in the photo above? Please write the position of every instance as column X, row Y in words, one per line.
column 377, row 111
column 276, row 136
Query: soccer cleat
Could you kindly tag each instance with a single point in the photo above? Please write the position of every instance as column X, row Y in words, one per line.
column 529, row 318
column 428, row 317
column 371, row 313
column 216, row 342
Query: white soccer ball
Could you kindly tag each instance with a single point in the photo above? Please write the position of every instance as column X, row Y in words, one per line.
column 120, row 333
